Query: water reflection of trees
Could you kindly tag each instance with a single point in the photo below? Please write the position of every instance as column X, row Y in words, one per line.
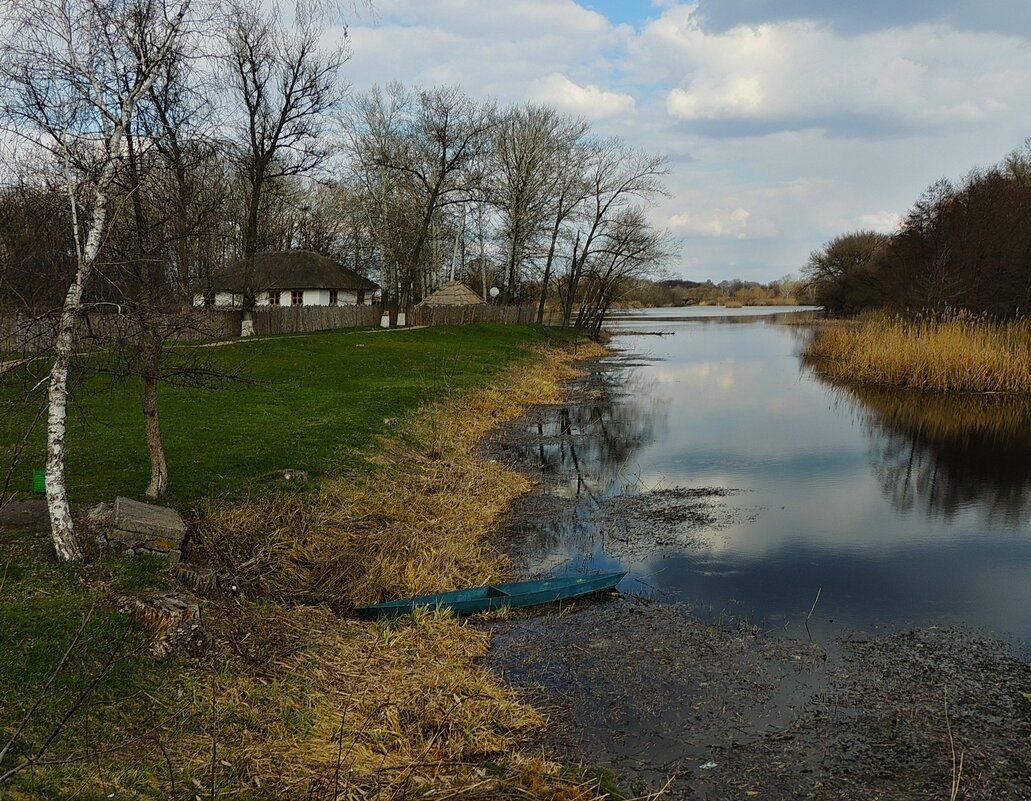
column 947, row 453
column 586, row 450
column 591, row 442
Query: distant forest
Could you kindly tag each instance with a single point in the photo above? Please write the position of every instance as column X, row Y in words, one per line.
column 786, row 291
column 963, row 246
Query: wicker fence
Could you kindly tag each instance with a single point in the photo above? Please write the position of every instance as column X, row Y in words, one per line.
column 35, row 334
column 27, row 335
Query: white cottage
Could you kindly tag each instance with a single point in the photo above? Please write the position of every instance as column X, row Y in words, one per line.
column 289, row 278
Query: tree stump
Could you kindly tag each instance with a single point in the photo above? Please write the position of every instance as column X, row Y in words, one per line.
column 175, row 619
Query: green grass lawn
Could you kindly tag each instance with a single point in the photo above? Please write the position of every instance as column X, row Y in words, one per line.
column 107, row 687
column 316, row 403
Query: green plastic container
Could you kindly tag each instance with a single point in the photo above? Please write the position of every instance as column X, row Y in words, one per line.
column 39, row 480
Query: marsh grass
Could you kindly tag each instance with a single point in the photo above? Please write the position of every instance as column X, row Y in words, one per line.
column 941, row 353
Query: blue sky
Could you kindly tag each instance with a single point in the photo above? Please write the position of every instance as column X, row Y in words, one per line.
column 787, row 121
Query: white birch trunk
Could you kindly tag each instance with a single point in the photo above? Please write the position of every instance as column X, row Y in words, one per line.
column 62, row 529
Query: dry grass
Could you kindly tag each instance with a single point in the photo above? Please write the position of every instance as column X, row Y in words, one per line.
column 305, row 700
column 413, row 522
column 955, row 353
column 312, row 705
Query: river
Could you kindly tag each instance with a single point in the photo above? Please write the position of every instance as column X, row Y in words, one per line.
column 755, row 487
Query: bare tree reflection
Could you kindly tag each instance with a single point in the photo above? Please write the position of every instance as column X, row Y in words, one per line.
column 944, row 454
column 583, row 451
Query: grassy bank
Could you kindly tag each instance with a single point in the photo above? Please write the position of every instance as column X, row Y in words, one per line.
column 310, row 402
column 296, row 700
column 956, row 353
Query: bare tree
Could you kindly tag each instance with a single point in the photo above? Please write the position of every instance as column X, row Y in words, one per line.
column 284, row 83
column 630, row 249
column 525, row 160
column 75, row 73
column 423, row 151
column 616, row 176
column 569, row 190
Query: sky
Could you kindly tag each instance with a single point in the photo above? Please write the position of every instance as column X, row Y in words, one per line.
column 786, row 122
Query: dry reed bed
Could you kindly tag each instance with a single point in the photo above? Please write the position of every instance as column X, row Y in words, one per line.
column 954, row 353
column 309, row 704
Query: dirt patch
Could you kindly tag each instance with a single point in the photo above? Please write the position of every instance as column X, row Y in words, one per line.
column 30, row 515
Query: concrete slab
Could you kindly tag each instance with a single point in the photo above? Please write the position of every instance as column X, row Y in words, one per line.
column 137, row 524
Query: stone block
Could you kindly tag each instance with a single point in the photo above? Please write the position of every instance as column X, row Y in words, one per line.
column 145, row 526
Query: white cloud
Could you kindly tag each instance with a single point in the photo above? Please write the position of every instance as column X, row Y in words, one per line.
column 489, row 49
column 886, row 222
column 801, row 73
column 809, row 130
column 717, row 223
column 590, row 101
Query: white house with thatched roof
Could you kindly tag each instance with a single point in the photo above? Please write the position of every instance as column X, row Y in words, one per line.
column 453, row 293
column 288, row 278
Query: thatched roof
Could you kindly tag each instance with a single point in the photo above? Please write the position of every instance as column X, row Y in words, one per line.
column 453, row 293
column 292, row 269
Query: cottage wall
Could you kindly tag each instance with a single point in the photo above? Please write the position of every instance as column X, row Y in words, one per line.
column 312, row 297
column 223, row 300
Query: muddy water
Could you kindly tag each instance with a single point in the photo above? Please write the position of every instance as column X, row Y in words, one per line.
column 720, row 472
column 815, row 573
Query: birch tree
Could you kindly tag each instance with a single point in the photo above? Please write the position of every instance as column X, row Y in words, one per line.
column 74, row 73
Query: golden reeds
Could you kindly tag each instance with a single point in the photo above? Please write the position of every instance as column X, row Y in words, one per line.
column 306, row 699
column 944, row 353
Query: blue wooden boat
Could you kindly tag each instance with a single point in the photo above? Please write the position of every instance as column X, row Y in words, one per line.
column 513, row 595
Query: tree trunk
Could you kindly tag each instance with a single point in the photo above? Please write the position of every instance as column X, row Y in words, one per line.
column 575, row 265
column 155, row 447
column 547, row 268
column 62, row 529
column 150, row 344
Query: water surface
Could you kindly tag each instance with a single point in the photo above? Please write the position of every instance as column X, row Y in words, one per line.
column 897, row 510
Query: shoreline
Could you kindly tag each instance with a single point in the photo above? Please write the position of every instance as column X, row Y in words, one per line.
column 296, row 698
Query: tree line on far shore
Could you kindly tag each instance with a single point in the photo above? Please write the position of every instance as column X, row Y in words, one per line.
column 963, row 246
column 645, row 292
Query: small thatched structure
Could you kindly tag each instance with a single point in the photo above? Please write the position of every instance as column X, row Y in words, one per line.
column 453, row 293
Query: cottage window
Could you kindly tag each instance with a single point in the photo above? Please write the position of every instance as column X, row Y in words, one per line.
column 297, row 297
column 334, row 297
column 209, row 298
column 361, row 297
column 273, row 298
